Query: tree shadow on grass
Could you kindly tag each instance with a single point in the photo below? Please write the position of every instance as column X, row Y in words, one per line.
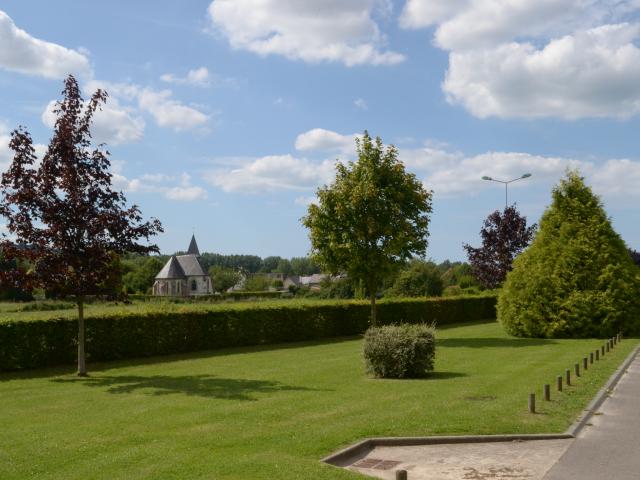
column 493, row 342
column 207, row 386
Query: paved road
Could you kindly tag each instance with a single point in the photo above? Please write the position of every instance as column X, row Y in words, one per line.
column 610, row 447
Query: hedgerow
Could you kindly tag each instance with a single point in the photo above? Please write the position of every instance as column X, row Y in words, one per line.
column 122, row 335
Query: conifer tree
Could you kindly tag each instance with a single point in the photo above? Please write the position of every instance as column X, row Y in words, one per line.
column 576, row 279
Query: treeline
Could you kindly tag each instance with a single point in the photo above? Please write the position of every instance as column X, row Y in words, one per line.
column 138, row 271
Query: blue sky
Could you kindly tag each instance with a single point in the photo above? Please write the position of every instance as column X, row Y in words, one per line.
column 225, row 116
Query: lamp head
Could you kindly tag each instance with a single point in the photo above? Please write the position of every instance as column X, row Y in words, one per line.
column 487, row 178
column 526, row 175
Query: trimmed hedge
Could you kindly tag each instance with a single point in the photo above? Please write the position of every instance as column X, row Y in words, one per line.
column 218, row 297
column 35, row 344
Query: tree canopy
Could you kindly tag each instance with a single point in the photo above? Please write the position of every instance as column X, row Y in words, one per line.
column 504, row 235
column 373, row 216
column 576, row 279
column 63, row 215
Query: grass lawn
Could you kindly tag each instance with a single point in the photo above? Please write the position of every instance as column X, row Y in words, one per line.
column 273, row 412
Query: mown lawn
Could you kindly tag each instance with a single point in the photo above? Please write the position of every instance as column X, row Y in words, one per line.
column 273, row 412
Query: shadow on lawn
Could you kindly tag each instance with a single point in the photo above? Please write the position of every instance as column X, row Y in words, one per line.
column 493, row 342
column 207, row 386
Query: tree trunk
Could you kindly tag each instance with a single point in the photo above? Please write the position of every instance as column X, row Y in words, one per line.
column 82, row 362
column 372, row 295
column 374, row 319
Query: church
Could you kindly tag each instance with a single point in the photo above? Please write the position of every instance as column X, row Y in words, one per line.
column 183, row 275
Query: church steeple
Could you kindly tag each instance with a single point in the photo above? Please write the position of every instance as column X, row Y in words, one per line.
column 193, row 247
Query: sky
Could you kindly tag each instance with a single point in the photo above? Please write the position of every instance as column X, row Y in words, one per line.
column 225, row 116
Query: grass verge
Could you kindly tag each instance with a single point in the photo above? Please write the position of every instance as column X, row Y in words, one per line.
column 271, row 413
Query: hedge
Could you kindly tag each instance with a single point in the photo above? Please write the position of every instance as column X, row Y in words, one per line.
column 218, row 297
column 43, row 343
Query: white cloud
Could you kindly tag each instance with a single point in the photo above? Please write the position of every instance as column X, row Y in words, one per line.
column 590, row 74
column 186, row 194
column 198, row 77
column 112, row 124
column 319, row 139
column 184, row 191
column 514, row 58
column 314, row 32
column 360, row 104
column 168, row 112
column 273, row 173
column 20, row 52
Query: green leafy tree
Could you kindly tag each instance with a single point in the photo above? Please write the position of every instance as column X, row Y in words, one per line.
column 304, row 266
column 372, row 217
column 257, row 283
column 224, row 278
column 576, row 279
column 419, row 279
column 140, row 273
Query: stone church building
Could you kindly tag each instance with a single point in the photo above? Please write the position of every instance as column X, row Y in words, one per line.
column 183, row 275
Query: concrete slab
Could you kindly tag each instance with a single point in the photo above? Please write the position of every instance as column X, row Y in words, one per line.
column 464, row 461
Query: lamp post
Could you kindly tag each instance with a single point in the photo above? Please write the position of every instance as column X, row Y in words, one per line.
column 506, row 185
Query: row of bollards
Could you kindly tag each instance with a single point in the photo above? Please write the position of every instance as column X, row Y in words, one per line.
column 599, row 352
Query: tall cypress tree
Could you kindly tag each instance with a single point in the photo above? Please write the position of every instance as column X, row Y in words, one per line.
column 576, row 279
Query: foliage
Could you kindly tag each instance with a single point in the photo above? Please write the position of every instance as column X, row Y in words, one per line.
column 245, row 263
column 304, row 266
column 257, row 283
column 504, row 236
column 337, row 288
column 224, row 278
column 12, row 291
column 373, row 216
column 576, row 279
column 161, row 329
column 140, row 272
column 419, row 279
column 63, row 214
column 400, row 351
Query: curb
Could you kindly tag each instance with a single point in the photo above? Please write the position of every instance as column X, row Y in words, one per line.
column 358, row 450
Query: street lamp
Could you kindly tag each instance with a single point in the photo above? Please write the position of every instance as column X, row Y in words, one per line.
column 506, row 185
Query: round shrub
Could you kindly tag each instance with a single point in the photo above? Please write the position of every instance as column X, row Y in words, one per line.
column 576, row 279
column 400, row 351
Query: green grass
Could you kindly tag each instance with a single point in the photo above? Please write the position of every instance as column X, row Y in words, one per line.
column 273, row 412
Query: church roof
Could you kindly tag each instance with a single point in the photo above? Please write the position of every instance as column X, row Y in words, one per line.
column 172, row 269
column 193, row 247
column 191, row 265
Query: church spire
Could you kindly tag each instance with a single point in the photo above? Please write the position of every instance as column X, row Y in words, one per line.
column 193, row 247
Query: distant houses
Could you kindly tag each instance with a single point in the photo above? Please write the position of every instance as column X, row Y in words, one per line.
column 185, row 276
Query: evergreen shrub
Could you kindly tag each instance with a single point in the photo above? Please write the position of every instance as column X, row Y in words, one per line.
column 400, row 351
column 576, row 279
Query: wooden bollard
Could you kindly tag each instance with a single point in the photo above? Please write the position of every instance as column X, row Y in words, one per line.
column 401, row 475
column 568, row 375
column 576, row 369
column 591, row 358
column 532, row 403
column 597, row 355
column 559, row 382
column 615, row 340
column 607, row 347
column 602, row 350
column 547, row 392
column 585, row 363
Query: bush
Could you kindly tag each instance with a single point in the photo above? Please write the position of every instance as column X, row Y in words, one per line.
column 576, row 279
column 420, row 279
column 400, row 351
column 156, row 331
